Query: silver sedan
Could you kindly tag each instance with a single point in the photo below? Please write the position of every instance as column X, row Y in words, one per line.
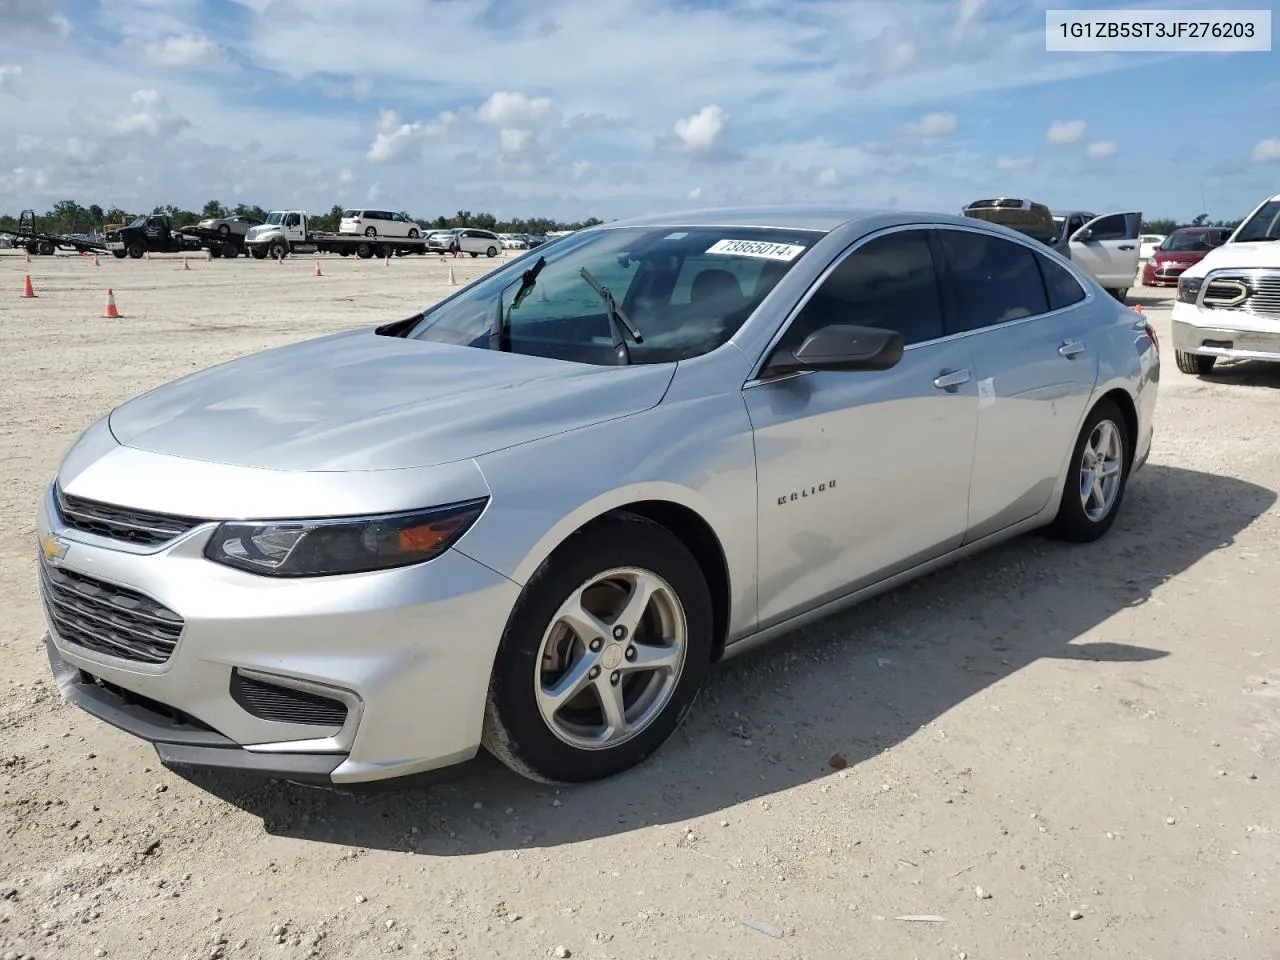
column 534, row 515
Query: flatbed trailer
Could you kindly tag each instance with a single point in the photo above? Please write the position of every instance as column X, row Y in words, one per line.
column 229, row 245
column 29, row 237
column 288, row 231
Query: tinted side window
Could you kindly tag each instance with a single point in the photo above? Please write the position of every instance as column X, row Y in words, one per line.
column 996, row 280
column 1114, row 227
column 1063, row 288
column 888, row 282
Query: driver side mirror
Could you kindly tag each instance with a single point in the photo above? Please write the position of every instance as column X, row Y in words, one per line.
column 1083, row 235
column 839, row 347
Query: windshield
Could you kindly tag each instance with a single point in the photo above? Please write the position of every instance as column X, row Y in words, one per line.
column 1186, row 242
column 687, row 290
column 1263, row 225
column 276, row 217
column 140, row 222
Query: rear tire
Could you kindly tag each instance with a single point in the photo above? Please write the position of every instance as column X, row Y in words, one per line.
column 370, row 231
column 1095, row 485
column 539, row 651
column 47, row 248
column 364, row 251
column 474, row 255
column 119, row 254
column 1120, row 295
column 258, row 253
column 491, row 252
column 413, row 234
column 1193, row 363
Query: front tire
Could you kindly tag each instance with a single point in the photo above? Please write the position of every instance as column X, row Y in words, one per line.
column 491, row 252
column 602, row 656
column 135, row 251
column 370, row 231
column 1099, row 474
column 413, row 234
column 1120, row 295
column 119, row 254
column 1193, row 363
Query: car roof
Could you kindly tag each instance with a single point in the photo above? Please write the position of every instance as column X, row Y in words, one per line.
column 820, row 218
column 1199, row 229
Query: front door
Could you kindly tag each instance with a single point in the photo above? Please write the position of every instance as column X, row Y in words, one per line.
column 1035, row 365
column 863, row 474
column 1108, row 248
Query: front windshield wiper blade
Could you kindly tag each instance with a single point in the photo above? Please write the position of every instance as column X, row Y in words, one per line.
column 498, row 339
column 618, row 319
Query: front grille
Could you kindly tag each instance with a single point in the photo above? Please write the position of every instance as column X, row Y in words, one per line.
column 108, row 619
column 1252, row 291
column 268, row 701
column 121, row 523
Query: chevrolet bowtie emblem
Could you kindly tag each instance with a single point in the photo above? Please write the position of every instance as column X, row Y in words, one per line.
column 54, row 548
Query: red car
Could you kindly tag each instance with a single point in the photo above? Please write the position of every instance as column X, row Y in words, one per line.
column 1182, row 248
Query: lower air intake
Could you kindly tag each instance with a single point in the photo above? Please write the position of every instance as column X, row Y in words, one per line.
column 269, row 701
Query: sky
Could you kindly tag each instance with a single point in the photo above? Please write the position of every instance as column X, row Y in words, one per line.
column 612, row 108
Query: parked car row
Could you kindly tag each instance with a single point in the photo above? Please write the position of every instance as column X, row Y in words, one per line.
column 1178, row 251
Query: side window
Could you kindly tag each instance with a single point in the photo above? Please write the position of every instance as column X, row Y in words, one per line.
column 888, row 282
column 292, row 220
column 996, row 280
column 1114, row 227
column 1062, row 287
column 1075, row 224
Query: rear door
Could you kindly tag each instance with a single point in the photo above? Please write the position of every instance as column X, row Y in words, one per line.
column 1107, row 247
column 1021, row 314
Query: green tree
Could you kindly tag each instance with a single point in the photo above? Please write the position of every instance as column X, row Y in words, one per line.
column 1200, row 220
column 1164, row 225
column 213, row 210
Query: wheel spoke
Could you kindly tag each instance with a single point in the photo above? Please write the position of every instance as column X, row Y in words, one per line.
column 1104, row 435
column 612, row 707
column 651, row 658
column 576, row 679
column 585, row 624
column 642, row 591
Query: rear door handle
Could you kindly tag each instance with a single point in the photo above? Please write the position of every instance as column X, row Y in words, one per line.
column 1070, row 348
column 1126, row 246
column 950, row 379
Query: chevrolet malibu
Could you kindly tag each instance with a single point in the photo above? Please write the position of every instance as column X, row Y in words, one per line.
column 534, row 515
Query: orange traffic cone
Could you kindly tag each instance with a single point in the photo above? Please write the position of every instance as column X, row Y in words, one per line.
column 318, row 273
column 27, row 292
column 185, row 265
column 111, row 313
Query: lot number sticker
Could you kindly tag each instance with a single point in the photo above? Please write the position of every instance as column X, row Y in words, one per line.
column 756, row 248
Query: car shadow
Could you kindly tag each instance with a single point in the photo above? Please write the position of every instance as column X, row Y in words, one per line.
column 1245, row 373
column 854, row 684
column 1147, row 297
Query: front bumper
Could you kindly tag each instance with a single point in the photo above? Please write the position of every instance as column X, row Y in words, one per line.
column 1232, row 334
column 407, row 651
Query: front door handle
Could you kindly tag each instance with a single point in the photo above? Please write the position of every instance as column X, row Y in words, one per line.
column 950, row 379
column 1070, row 348
column 1126, row 246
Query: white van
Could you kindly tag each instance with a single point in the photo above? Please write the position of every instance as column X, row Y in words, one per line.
column 476, row 242
column 378, row 223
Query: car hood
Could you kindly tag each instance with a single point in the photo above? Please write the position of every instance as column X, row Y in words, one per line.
column 1242, row 255
column 262, row 229
column 359, row 401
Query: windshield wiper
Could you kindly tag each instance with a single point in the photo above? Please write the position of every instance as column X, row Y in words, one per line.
column 618, row 319
column 498, row 339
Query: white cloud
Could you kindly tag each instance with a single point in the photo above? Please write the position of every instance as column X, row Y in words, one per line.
column 39, row 17
column 345, row 175
column 828, row 177
column 10, row 77
column 1266, row 151
column 396, row 142
column 695, row 193
column 1101, row 149
column 580, row 169
column 514, row 111
column 187, row 50
column 1066, row 131
column 702, row 134
column 1007, row 164
column 932, row 126
column 150, row 116
column 898, row 57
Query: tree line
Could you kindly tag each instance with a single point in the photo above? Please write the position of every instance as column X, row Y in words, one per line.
column 68, row 216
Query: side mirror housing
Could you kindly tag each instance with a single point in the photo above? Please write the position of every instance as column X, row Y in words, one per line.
column 840, row 347
column 1084, row 235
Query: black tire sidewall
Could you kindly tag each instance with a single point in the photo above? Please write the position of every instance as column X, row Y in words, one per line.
column 614, row 543
column 1072, row 523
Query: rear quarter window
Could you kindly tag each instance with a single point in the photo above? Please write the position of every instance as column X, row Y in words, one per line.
column 1062, row 288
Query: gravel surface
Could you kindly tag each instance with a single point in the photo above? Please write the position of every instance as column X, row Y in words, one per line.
column 1044, row 752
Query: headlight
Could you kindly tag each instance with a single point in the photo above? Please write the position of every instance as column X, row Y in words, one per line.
column 318, row 548
column 1189, row 288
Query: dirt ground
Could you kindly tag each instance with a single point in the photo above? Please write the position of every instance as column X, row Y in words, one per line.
column 1089, row 735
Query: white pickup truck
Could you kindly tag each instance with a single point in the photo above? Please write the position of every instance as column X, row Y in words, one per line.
column 1228, row 304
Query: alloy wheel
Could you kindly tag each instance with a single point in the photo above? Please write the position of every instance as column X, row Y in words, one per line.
column 611, row 658
column 1101, row 466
